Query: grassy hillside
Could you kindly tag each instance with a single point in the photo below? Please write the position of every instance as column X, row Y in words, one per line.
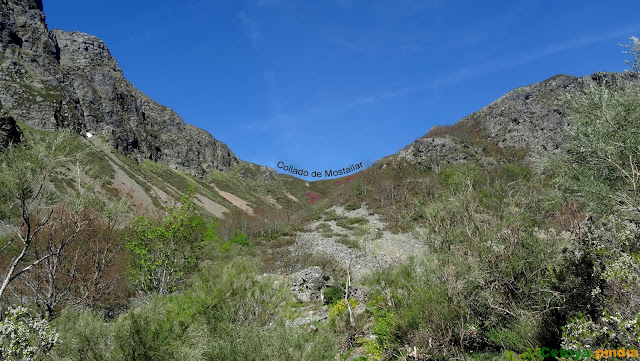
column 478, row 259
column 151, row 186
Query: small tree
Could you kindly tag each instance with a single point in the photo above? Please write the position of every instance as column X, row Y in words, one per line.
column 23, row 337
column 53, row 281
column 603, row 159
column 601, row 167
column 25, row 172
column 634, row 51
column 164, row 251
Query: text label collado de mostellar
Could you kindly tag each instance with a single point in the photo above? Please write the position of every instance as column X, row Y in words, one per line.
column 318, row 174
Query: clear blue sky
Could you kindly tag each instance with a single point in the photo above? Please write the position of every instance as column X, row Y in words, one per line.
column 324, row 84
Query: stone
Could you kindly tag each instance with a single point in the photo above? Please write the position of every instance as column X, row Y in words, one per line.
column 9, row 132
column 310, row 316
column 308, row 285
column 268, row 175
column 355, row 356
column 433, row 152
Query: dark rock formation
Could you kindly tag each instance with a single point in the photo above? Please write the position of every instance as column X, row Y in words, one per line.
column 54, row 79
column 9, row 131
column 531, row 118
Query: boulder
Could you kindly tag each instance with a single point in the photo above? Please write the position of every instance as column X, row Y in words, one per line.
column 308, row 285
column 9, row 132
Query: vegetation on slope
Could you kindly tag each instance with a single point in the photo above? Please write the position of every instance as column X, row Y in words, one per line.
column 521, row 258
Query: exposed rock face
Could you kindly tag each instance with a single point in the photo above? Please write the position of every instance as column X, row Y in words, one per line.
column 532, row 117
column 432, row 152
column 536, row 116
column 55, row 79
column 308, row 285
column 255, row 172
column 268, row 175
column 9, row 132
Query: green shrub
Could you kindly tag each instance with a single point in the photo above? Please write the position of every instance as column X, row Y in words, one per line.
column 633, row 49
column 333, row 294
column 240, row 238
column 85, row 334
column 529, row 355
column 226, row 312
column 163, row 252
column 600, row 164
column 352, row 206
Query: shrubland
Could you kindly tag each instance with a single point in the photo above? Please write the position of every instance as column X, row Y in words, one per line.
column 521, row 255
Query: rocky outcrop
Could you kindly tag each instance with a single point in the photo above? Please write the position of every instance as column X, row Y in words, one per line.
column 309, row 284
column 258, row 173
column 434, row 152
column 531, row 118
column 9, row 132
column 55, row 79
column 268, row 175
column 535, row 117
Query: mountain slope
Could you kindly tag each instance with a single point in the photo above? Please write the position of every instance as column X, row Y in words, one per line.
column 150, row 187
column 55, row 80
column 529, row 121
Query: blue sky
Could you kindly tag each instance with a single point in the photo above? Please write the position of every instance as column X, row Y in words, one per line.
column 324, row 84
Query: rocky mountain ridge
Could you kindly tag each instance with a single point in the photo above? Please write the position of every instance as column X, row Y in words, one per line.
column 531, row 119
column 55, row 79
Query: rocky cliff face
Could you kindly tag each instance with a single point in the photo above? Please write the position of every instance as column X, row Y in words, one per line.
column 535, row 116
column 56, row 79
column 531, row 118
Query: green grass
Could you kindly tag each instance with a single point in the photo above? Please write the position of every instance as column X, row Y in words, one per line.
column 331, row 215
column 351, row 223
column 349, row 242
column 30, row 133
column 48, row 93
column 100, row 165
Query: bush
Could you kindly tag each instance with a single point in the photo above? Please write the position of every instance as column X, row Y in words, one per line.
column 529, row 355
column 600, row 165
column 633, row 50
column 240, row 238
column 23, row 337
column 611, row 331
column 333, row 294
column 86, row 336
column 226, row 313
column 164, row 252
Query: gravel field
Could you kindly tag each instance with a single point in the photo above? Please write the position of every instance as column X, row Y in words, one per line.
column 374, row 248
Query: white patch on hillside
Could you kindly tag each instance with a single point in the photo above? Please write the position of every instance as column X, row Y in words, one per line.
column 235, row 200
column 378, row 248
